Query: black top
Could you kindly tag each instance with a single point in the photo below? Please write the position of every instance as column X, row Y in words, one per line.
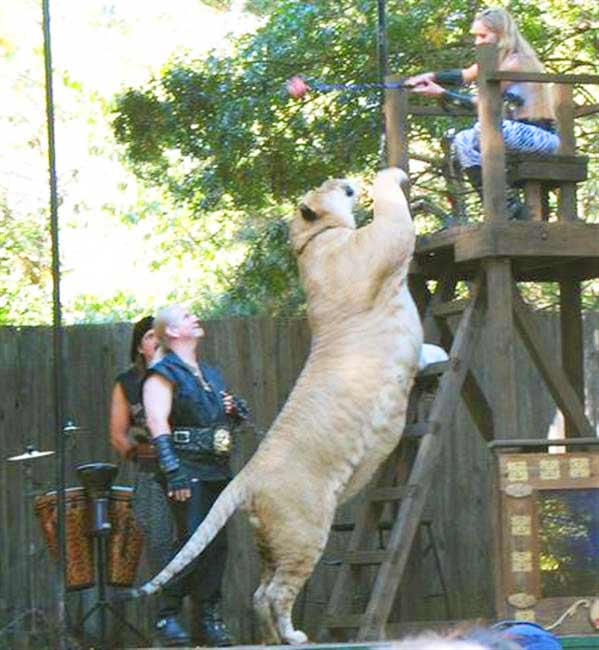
column 131, row 381
column 196, row 405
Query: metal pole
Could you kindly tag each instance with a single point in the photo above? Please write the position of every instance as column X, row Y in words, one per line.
column 56, row 339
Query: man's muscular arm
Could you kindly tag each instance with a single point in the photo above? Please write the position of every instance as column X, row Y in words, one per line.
column 158, row 401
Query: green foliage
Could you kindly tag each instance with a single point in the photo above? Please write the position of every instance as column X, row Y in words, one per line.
column 220, row 133
column 24, row 268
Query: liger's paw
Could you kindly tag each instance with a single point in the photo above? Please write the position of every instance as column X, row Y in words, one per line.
column 297, row 637
column 392, row 175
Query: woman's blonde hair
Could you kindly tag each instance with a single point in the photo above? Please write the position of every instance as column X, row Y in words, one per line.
column 510, row 42
column 509, row 39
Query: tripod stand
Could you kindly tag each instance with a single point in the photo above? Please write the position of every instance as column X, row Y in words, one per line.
column 32, row 621
column 97, row 480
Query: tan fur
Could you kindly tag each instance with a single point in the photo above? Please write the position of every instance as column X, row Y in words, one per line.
column 347, row 410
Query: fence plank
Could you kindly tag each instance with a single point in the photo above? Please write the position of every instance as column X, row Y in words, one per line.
column 261, row 359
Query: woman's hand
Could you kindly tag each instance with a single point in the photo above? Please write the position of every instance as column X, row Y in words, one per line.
column 428, row 88
column 419, row 79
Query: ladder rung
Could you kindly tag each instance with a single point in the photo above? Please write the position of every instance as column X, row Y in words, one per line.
column 392, row 493
column 347, row 527
column 344, row 620
column 451, row 308
column 432, row 371
column 365, row 558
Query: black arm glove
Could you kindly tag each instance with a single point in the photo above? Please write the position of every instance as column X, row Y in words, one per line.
column 242, row 412
column 176, row 476
column 453, row 77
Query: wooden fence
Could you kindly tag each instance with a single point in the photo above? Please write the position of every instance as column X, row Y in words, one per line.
column 261, row 359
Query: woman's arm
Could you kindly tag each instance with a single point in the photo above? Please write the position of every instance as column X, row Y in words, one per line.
column 470, row 74
column 120, row 422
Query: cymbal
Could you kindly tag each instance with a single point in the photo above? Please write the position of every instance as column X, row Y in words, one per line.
column 69, row 427
column 30, row 454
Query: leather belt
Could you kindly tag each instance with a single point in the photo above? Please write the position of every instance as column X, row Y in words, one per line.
column 203, row 441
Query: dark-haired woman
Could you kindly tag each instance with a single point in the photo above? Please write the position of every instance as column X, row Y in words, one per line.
column 130, row 438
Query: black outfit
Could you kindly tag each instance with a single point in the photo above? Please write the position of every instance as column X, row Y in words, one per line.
column 197, row 411
column 150, row 505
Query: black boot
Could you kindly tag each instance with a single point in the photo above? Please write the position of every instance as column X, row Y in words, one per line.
column 516, row 210
column 170, row 633
column 212, row 628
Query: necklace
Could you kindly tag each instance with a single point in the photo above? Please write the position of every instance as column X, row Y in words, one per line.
column 199, row 375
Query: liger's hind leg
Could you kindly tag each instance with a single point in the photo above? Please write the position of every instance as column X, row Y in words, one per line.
column 262, row 608
column 282, row 593
column 268, row 629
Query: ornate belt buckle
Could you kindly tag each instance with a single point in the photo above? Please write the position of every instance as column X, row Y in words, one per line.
column 182, row 437
column 222, row 441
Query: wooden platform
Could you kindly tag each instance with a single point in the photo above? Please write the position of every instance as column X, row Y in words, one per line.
column 540, row 251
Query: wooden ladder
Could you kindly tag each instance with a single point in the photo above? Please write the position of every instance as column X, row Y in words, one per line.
column 406, row 487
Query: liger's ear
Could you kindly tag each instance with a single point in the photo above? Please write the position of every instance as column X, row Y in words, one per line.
column 307, row 213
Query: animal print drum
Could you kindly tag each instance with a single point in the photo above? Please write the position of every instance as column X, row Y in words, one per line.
column 123, row 545
column 125, row 541
column 80, row 571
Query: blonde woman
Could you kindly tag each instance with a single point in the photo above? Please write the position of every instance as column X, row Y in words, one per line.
column 531, row 127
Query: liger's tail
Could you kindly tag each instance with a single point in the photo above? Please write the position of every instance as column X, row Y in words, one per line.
column 227, row 503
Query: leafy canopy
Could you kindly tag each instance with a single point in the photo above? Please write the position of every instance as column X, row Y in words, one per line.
column 221, row 134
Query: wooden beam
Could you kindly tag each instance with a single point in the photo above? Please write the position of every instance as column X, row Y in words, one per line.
column 501, row 325
column 490, row 109
column 583, row 111
column 478, row 406
column 534, row 443
column 566, row 208
column 474, row 398
column 572, row 341
column 529, row 239
column 396, row 126
column 565, row 396
column 445, row 290
column 545, row 77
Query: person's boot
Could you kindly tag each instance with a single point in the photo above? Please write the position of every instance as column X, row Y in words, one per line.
column 516, row 210
column 170, row 633
column 213, row 631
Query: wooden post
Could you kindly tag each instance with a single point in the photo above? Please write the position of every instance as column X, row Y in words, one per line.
column 396, row 126
column 500, row 322
column 572, row 341
column 565, row 119
column 490, row 109
column 570, row 291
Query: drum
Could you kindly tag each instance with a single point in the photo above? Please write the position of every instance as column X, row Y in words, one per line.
column 80, row 572
column 123, row 546
column 125, row 541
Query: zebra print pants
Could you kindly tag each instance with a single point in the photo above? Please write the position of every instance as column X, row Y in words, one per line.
column 518, row 137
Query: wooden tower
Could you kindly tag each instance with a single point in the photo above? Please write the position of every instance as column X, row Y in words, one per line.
column 489, row 258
